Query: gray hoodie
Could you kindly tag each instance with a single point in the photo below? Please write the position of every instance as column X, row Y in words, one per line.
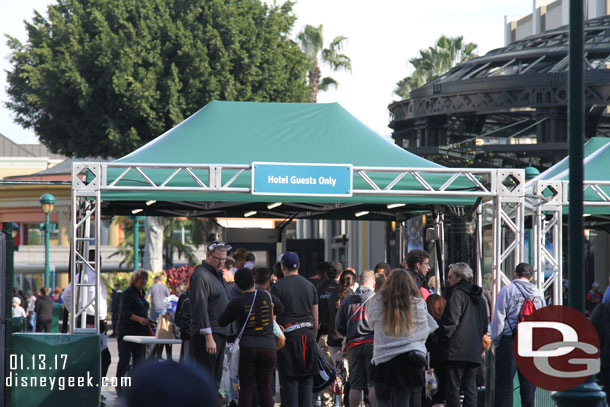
column 508, row 304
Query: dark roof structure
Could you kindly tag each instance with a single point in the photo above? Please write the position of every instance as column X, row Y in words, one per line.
column 508, row 107
column 9, row 148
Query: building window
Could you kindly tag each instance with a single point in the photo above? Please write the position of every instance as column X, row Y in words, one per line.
column 35, row 236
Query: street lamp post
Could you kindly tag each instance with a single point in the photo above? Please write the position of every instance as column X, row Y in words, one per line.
column 136, row 240
column 47, row 202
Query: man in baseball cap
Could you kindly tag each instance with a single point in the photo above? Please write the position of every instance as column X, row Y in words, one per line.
column 290, row 260
column 297, row 361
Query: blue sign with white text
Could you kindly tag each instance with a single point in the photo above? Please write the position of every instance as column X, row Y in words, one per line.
column 301, row 179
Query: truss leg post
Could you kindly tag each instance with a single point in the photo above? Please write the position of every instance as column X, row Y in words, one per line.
column 479, row 247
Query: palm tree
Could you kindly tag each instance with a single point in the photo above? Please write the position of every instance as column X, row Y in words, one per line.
column 435, row 61
column 312, row 44
column 199, row 231
column 126, row 248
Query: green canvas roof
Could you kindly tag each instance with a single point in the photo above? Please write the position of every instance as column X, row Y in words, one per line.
column 596, row 166
column 246, row 132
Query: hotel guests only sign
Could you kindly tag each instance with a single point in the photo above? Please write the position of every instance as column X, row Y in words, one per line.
column 301, row 179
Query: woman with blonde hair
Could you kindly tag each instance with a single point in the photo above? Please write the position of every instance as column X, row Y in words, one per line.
column 401, row 325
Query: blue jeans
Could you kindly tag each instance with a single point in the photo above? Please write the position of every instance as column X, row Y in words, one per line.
column 296, row 391
column 154, row 313
column 505, row 373
column 32, row 320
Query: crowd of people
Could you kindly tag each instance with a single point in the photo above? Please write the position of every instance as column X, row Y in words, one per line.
column 386, row 331
column 392, row 335
column 36, row 308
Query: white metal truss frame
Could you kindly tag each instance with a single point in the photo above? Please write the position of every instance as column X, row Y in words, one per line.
column 508, row 228
column 505, row 187
column 86, row 229
column 547, row 200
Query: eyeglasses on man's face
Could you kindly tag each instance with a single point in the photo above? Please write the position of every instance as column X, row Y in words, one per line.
column 219, row 259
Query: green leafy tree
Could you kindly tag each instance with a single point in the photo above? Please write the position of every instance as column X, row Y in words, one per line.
column 435, row 61
column 311, row 40
column 101, row 78
column 126, row 248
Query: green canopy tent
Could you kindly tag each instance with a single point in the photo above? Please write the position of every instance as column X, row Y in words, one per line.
column 547, row 202
column 204, row 167
column 229, row 134
column 596, row 165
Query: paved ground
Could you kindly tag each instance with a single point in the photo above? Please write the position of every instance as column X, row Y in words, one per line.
column 110, row 392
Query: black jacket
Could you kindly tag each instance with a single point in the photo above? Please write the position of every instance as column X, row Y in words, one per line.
column 601, row 321
column 115, row 302
column 183, row 316
column 209, row 296
column 44, row 308
column 463, row 324
column 326, row 290
column 357, row 328
column 133, row 302
column 335, row 337
column 419, row 279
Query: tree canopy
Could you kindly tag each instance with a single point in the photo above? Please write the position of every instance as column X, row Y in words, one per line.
column 435, row 61
column 101, row 78
column 311, row 40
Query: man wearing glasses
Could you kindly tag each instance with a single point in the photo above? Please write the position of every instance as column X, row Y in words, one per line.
column 209, row 296
column 418, row 264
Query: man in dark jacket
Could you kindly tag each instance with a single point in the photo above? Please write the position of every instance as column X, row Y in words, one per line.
column 418, row 265
column 601, row 321
column 326, row 289
column 353, row 323
column 115, row 303
column 44, row 312
column 209, row 296
column 460, row 336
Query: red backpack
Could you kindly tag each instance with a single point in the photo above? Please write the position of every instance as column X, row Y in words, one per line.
column 526, row 310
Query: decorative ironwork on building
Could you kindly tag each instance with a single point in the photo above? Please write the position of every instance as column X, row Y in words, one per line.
column 508, row 107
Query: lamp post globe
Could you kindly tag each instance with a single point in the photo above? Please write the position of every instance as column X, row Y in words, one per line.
column 531, row 173
column 47, row 203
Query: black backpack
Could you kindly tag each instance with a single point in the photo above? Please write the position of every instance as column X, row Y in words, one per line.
column 184, row 318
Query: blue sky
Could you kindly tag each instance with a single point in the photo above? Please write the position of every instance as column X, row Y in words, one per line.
column 382, row 36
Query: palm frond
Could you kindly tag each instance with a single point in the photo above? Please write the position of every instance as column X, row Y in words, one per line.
column 328, row 82
column 311, row 41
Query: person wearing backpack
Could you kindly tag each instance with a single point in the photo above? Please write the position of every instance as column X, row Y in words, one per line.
column 515, row 302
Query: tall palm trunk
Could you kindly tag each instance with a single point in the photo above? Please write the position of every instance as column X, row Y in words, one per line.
column 314, row 80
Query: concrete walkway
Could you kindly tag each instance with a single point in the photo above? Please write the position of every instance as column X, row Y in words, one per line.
column 109, row 391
